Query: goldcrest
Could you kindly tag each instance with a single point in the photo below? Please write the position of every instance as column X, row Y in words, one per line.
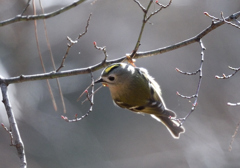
column 134, row 89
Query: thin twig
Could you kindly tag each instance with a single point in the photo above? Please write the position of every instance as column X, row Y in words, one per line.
column 140, row 5
column 186, row 97
column 19, row 18
column 230, row 23
column 233, row 104
column 24, row 10
column 222, row 19
column 103, row 49
column 84, row 92
column 145, row 20
column 10, row 134
column 186, row 42
column 212, row 17
column 93, row 93
column 90, row 98
column 228, row 76
column 145, row 11
column 187, row 73
column 182, row 120
column 158, row 10
column 72, row 42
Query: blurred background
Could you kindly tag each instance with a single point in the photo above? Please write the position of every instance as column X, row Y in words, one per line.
column 111, row 137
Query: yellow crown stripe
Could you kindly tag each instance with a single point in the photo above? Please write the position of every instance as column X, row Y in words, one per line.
column 108, row 69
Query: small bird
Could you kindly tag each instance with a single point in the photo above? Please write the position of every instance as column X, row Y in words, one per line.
column 134, row 89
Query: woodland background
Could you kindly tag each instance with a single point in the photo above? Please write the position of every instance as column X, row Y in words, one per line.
column 111, row 137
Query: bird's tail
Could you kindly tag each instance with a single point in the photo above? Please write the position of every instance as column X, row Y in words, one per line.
column 173, row 126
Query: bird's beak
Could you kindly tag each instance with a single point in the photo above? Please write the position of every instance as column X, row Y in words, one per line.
column 99, row 80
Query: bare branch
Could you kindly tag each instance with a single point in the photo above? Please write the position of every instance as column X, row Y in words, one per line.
column 145, row 20
column 228, row 76
column 140, row 5
column 158, row 10
column 187, row 73
column 85, row 92
column 90, row 98
column 222, row 19
column 52, row 75
column 194, row 39
column 181, row 120
column 230, row 23
column 16, row 137
column 103, row 49
column 164, row 6
column 24, row 10
column 73, row 42
column 145, row 11
column 19, row 18
column 233, row 17
column 186, row 97
column 212, row 17
column 90, row 94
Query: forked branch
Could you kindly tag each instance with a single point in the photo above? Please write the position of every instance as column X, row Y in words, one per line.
column 15, row 136
column 145, row 20
column 72, row 42
column 195, row 96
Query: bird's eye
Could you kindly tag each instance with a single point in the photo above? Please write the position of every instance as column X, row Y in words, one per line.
column 111, row 78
